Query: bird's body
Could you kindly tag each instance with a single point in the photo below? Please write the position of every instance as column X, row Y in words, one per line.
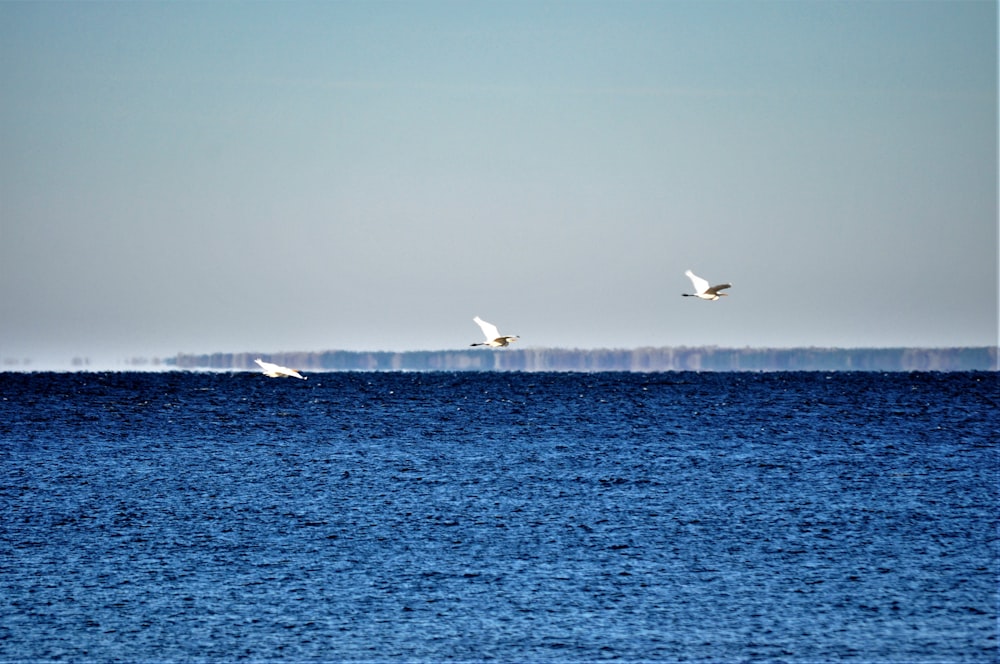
column 493, row 337
column 278, row 371
column 703, row 290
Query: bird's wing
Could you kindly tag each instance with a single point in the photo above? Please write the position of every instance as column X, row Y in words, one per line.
column 489, row 329
column 700, row 285
column 715, row 289
column 267, row 366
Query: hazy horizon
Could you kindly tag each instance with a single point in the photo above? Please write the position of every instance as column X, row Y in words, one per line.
column 168, row 363
column 232, row 177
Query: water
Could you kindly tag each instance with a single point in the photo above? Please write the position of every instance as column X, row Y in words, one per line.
column 499, row 516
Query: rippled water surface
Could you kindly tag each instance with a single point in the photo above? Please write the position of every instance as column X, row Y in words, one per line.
column 499, row 516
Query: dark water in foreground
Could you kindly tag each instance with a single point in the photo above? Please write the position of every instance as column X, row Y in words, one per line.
column 505, row 516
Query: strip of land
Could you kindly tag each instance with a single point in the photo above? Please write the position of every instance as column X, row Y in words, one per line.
column 636, row 359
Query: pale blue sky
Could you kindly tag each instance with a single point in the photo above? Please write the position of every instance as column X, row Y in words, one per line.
column 198, row 177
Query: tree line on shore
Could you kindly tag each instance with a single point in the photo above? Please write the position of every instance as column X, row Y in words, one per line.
column 649, row 359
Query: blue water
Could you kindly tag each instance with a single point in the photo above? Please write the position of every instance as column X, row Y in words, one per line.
column 499, row 516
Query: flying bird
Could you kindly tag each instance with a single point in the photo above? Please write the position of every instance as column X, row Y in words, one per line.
column 703, row 290
column 278, row 371
column 493, row 337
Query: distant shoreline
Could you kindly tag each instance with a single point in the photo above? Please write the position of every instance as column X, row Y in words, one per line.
column 646, row 359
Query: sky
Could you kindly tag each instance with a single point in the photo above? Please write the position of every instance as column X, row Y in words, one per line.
column 195, row 177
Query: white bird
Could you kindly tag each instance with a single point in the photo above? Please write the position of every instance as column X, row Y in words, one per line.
column 278, row 371
column 703, row 290
column 493, row 337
